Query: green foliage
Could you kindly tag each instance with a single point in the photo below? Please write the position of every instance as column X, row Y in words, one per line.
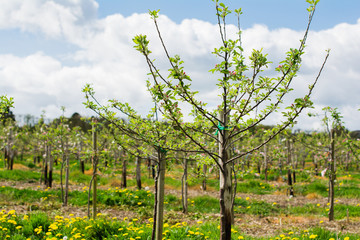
column 5, row 104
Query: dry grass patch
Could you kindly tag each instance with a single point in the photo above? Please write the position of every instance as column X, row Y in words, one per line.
column 20, row 166
column 114, row 182
column 313, row 196
column 281, row 192
column 344, row 178
column 90, row 172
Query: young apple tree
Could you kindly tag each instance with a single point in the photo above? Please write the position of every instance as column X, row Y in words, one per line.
column 247, row 97
column 141, row 137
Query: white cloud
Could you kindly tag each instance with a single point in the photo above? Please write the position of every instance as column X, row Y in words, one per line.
column 107, row 59
column 40, row 82
column 61, row 18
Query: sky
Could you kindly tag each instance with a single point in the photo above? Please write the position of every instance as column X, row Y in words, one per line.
column 49, row 50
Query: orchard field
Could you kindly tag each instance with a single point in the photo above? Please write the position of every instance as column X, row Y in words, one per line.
column 263, row 209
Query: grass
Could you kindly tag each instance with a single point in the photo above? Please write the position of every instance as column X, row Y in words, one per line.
column 259, row 208
column 346, row 189
column 20, row 175
column 23, row 196
column 143, row 201
column 204, row 204
column 255, row 187
column 307, row 209
column 38, row 226
column 340, row 211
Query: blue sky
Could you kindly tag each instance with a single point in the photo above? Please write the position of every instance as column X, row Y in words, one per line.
column 51, row 48
column 273, row 13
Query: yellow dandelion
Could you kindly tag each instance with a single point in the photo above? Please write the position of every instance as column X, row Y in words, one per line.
column 11, row 212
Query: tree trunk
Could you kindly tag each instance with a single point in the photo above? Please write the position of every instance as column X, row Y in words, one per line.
column 82, row 166
column 332, row 175
column 46, row 179
column 266, row 163
column 45, row 169
column 316, row 167
column 94, row 163
column 289, row 177
column 94, row 198
column 4, row 157
column 280, row 166
column 148, row 164
column 226, row 213
column 153, row 170
column 303, row 161
column 115, row 158
column 204, row 180
column 82, row 162
column 155, row 205
column 184, row 188
column 49, row 159
column 10, row 152
column 160, row 195
column 67, row 172
column 123, row 174
column 61, row 180
column 225, row 202
column 138, row 172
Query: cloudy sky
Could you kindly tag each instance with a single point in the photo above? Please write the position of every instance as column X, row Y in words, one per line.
column 51, row 48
